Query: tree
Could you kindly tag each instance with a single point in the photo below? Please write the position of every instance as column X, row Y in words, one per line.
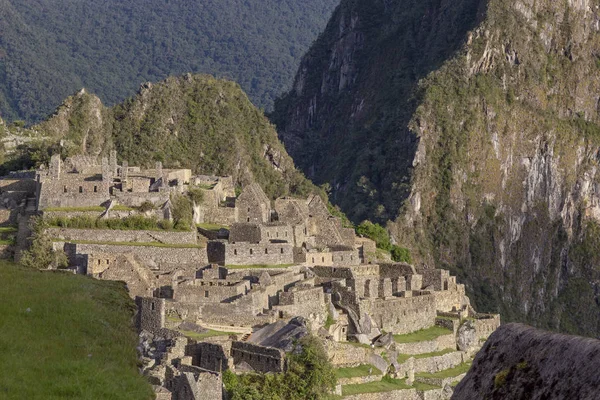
column 41, row 254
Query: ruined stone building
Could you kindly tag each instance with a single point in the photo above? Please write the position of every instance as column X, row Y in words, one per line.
column 265, row 273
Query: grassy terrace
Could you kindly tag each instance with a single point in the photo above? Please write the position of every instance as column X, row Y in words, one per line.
column 361, row 370
column 447, row 373
column 259, row 266
column 118, row 207
column 211, row 227
column 66, row 336
column 422, row 335
column 204, row 335
column 140, row 244
column 403, row 357
column 387, row 384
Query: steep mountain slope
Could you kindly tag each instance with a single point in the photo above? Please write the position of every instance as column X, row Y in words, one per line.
column 473, row 125
column 192, row 121
column 51, row 48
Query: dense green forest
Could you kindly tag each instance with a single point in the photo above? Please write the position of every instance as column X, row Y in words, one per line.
column 51, row 48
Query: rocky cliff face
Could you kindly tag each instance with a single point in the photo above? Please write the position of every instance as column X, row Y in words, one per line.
column 520, row 362
column 192, row 121
column 474, row 126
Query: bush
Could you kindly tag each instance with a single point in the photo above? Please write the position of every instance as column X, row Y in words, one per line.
column 146, row 206
column 381, row 237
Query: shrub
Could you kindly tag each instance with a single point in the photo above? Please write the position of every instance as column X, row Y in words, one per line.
column 196, row 195
column 146, row 206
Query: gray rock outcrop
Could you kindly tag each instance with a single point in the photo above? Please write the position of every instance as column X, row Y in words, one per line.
column 521, row 362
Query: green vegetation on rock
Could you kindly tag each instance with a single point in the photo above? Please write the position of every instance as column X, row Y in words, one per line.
column 193, row 121
column 66, row 336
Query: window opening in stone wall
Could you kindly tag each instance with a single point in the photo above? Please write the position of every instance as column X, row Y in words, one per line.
column 95, row 189
column 248, row 219
column 322, row 259
column 235, row 252
column 206, row 293
column 248, row 209
column 313, row 260
column 266, row 251
column 251, row 251
column 65, row 189
column 277, row 234
column 80, row 189
column 282, row 250
column 152, row 306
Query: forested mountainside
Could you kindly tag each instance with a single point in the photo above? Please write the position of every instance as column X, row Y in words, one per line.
column 473, row 125
column 191, row 121
column 49, row 49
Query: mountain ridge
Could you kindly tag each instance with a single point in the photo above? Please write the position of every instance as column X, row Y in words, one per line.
column 486, row 165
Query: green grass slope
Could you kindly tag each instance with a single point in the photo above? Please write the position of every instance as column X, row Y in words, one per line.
column 66, row 337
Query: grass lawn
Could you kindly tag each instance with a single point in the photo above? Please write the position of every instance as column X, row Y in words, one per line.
column 258, row 266
column 434, row 354
column 66, row 336
column 204, row 335
column 385, row 385
column 142, row 244
column 211, row 227
column 361, row 370
column 447, row 373
column 422, row 335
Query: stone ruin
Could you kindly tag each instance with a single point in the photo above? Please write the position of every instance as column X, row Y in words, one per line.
column 270, row 272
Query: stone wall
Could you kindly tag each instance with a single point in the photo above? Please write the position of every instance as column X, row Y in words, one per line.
column 257, row 254
column 260, row 358
column 434, row 364
column 277, row 232
column 402, row 315
column 245, row 232
column 429, row 346
column 447, row 300
column 308, row 303
column 151, row 314
column 486, row 324
column 161, row 257
column 346, row 354
column 331, row 258
column 200, row 291
column 208, row 356
column 116, row 235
